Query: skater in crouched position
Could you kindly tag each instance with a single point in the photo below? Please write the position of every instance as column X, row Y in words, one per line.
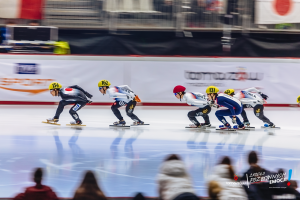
column 251, row 100
column 123, row 95
column 194, row 99
column 233, row 105
column 70, row 95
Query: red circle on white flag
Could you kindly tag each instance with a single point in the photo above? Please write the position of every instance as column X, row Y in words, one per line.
column 282, row 7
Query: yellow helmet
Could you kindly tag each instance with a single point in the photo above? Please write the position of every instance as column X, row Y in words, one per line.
column 104, row 83
column 212, row 89
column 229, row 91
column 298, row 99
column 54, row 85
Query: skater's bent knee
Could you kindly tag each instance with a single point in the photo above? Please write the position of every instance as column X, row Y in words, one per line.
column 129, row 114
column 190, row 114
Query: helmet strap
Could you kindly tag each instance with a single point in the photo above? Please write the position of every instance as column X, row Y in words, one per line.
column 181, row 95
column 104, row 90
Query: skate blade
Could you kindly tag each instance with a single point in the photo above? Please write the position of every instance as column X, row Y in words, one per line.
column 226, row 129
column 52, row 123
column 75, row 125
column 202, row 127
column 139, row 125
column 249, row 127
column 119, row 126
column 270, row 127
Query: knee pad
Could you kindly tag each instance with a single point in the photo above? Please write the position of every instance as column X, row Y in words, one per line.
column 71, row 111
column 113, row 108
column 190, row 114
column 129, row 113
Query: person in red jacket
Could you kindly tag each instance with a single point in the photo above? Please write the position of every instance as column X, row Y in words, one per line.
column 39, row 191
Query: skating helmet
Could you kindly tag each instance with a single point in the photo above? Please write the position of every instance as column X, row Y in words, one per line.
column 298, row 99
column 229, row 91
column 54, row 85
column 103, row 83
column 179, row 88
column 212, row 89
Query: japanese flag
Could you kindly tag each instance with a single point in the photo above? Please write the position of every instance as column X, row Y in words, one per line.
column 277, row 11
column 25, row 9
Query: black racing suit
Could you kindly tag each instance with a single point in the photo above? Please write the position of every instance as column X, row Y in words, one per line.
column 129, row 110
column 258, row 112
column 72, row 95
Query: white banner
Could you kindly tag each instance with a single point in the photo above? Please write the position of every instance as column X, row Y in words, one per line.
column 277, row 11
column 153, row 81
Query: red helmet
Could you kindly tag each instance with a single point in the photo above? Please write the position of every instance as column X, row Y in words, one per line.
column 179, row 88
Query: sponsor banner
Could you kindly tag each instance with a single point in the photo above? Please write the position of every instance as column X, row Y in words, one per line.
column 277, row 11
column 152, row 81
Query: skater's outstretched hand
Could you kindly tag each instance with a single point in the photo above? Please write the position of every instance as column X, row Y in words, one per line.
column 234, row 120
column 265, row 97
column 137, row 99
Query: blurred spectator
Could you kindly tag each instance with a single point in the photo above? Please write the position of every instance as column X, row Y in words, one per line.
column 223, row 174
column 39, row 191
column 34, row 23
column 283, row 191
column 139, row 196
column 165, row 6
column 3, row 31
column 214, row 190
column 89, row 189
column 198, row 7
column 174, row 183
column 261, row 190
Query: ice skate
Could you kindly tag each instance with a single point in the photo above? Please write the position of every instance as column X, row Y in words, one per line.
column 120, row 124
column 76, row 123
column 269, row 126
column 194, row 126
column 226, row 127
column 207, row 125
column 240, row 127
column 51, row 121
column 138, row 123
column 247, row 124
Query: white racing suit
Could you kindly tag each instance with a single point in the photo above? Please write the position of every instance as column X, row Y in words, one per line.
column 199, row 100
column 253, row 100
column 123, row 96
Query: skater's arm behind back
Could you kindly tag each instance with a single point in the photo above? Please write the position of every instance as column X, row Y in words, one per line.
column 82, row 90
column 192, row 100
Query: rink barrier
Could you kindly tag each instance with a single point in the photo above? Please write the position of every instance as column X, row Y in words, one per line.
column 110, row 103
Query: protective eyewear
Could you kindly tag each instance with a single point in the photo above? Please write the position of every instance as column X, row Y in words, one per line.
column 100, row 88
column 175, row 94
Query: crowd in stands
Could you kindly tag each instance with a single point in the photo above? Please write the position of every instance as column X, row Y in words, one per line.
column 174, row 183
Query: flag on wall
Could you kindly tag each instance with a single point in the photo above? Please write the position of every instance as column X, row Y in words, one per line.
column 277, row 11
column 25, row 9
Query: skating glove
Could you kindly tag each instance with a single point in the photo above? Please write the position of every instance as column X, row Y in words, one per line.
column 88, row 95
column 137, row 99
column 234, row 120
column 265, row 97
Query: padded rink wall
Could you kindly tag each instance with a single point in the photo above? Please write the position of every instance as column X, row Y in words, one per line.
column 24, row 79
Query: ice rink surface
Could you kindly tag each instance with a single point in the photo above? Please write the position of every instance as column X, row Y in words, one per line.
column 127, row 160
